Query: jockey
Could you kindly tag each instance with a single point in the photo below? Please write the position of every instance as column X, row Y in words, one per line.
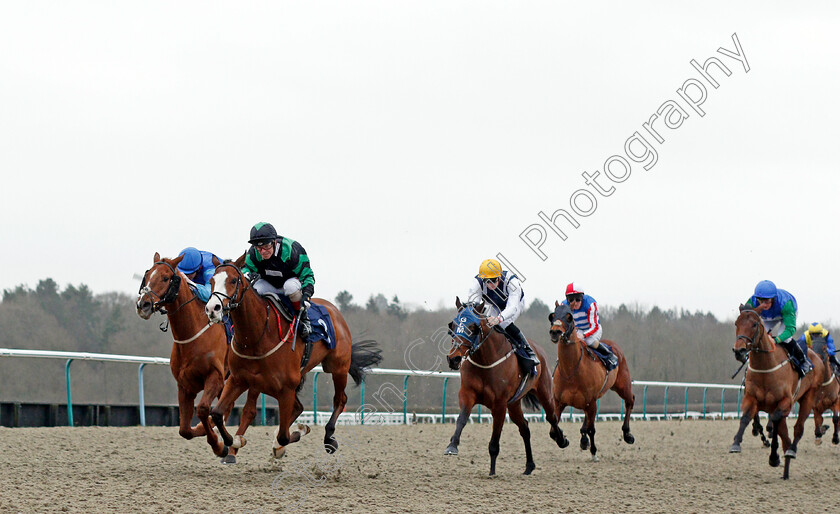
column 198, row 266
column 816, row 332
column 778, row 314
column 588, row 322
column 505, row 299
column 283, row 268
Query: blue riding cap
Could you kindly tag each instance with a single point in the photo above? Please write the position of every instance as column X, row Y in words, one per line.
column 191, row 261
column 765, row 289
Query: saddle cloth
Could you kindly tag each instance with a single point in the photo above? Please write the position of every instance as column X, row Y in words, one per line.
column 319, row 318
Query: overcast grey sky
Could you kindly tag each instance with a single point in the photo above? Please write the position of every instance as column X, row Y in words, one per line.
column 404, row 142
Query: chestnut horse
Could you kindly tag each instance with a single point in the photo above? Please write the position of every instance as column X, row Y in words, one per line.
column 490, row 376
column 580, row 378
column 266, row 358
column 772, row 385
column 828, row 396
column 199, row 349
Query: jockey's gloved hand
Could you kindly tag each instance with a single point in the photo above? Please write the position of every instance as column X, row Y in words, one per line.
column 304, row 302
column 492, row 321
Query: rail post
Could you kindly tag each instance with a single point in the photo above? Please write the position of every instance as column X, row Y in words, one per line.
column 315, row 398
column 142, row 399
column 665, row 404
column 69, row 394
column 722, row 393
column 262, row 395
column 362, row 408
column 685, row 407
column 443, row 403
column 644, row 404
column 405, row 400
column 705, row 393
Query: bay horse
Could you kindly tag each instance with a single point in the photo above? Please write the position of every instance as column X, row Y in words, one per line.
column 827, row 397
column 772, row 385
column 266, row 358
column 580, row 378
column 490, row 376
column 199, row 349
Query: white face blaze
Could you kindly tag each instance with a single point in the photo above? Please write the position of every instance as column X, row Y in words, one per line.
column 214, row 304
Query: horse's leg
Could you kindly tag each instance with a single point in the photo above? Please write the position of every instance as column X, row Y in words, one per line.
column 232, row 390
column 289, row 408
column 467, row 400
column 561, row 440
column 806, row 405
column 750, row 410
column 757, row 430
column 589, row 423
column 339, row 400
column 584, row 434
column 518, row 417
column 499, row 410
column 212, row 386
column 835, row 439
column 544, row 396
column 819, row 428
column 626, row 393
column 775, row 424
column 295, row 432
column 186, row 407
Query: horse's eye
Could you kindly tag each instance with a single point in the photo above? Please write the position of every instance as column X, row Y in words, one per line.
column 166, row 279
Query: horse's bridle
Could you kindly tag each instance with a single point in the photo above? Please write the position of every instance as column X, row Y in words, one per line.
column 751, row 344
column 232, row 304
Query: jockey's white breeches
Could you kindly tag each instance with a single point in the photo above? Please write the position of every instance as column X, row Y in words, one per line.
column 291, row 288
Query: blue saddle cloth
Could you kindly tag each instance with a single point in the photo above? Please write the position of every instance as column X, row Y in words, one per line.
column 322, row 326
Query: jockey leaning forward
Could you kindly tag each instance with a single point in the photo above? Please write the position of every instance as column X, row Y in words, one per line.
column 199, row 268
column 777, row 310
column 505, row 300
column 588, row 323
column 282, row 267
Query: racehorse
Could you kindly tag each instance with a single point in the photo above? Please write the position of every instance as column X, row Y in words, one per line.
column 827, row 397
column 771, row 385
column 266, row 357
column 490, row 377
column 199, row 349
column 580, row 378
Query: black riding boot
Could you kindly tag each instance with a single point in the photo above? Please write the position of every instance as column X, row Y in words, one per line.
column 795, row 351
column 610, row 359
column 518, row 339
column 303, row 323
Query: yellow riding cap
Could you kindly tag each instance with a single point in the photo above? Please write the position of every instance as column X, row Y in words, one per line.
column 490, row 268
column 817, row 328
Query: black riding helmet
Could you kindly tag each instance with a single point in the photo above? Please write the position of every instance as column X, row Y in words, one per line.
column 262, row 232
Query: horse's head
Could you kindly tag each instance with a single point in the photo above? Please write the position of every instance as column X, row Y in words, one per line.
column 562, row 324
column 749, row 332
column 818, row 344
column 160, row 286
column 466, row 329
column 228, row 287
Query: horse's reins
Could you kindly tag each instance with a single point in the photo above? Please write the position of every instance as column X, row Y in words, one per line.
column 751, row 346
column 232, row 304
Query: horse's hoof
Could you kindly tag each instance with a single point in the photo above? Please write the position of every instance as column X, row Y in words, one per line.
column 818, row 441
column 735, row 448
column 492, row 475
column 238, row 441
column 228, row 459
column 595, row 458
column 835, row 440
column 790, row 454
column 278, row 452
column 225, row 451
column 302, row 429
column 564, row 443
column 529, row 467
column 629, row 439
column 775, row 461
column 451, row 450
column 330, row 445
column 584, row 444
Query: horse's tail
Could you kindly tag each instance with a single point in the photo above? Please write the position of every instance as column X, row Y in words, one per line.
column 531, row 401
column 363, row 355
